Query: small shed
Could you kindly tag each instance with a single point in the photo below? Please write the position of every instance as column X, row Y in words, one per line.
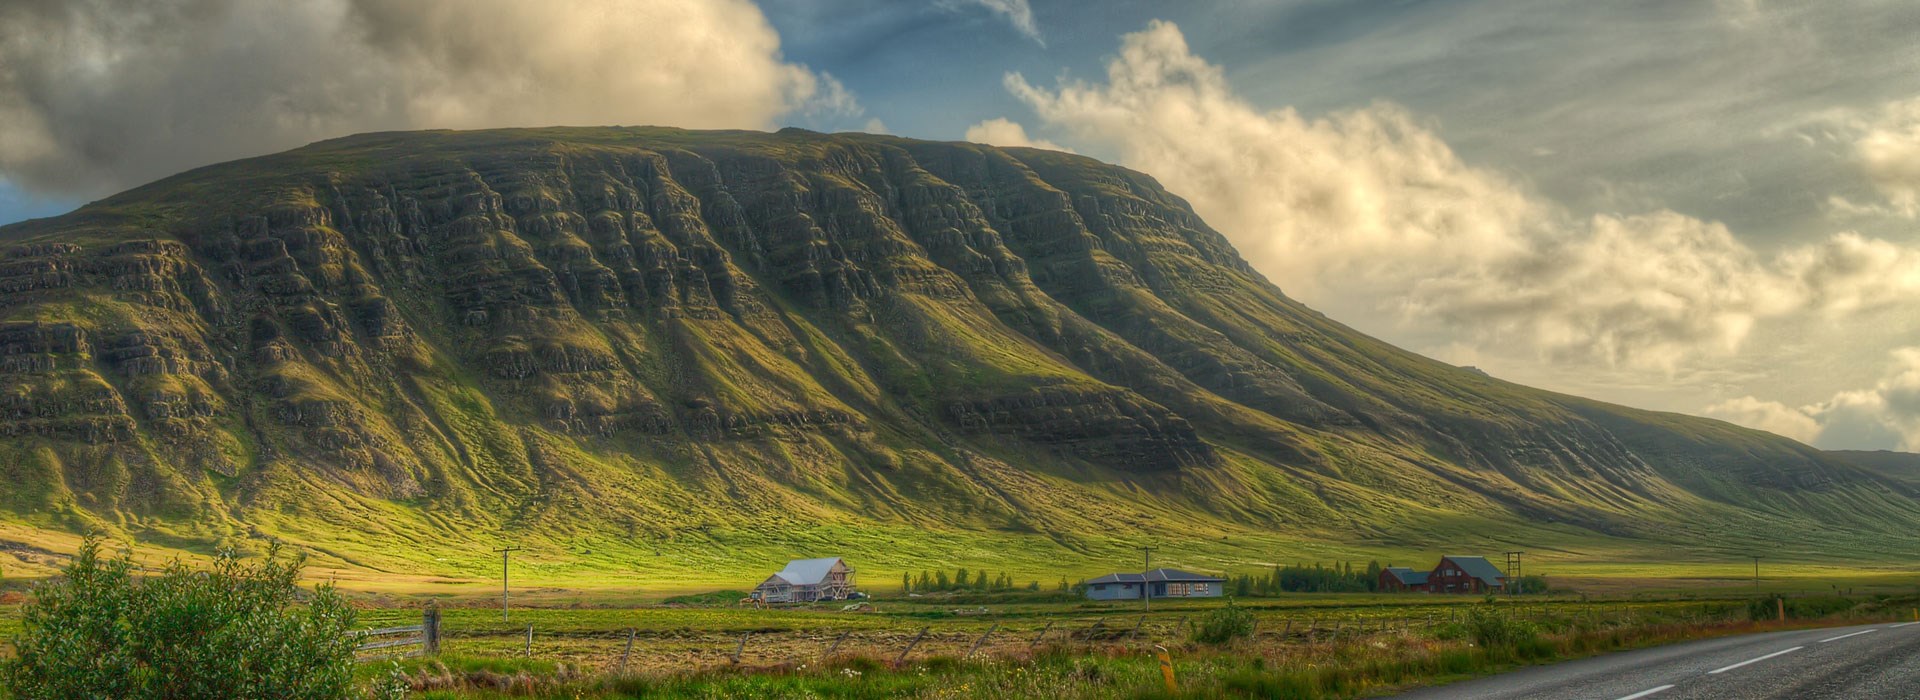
column 1400, row 579
column 806, row 581
column 1458, row 574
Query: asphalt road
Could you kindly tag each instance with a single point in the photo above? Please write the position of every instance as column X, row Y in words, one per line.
column 1869, row 661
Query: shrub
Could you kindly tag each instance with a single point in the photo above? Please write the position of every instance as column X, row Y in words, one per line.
column 1493, row 630
column 1807, row 608
column 234, row 631
column 1224, row 624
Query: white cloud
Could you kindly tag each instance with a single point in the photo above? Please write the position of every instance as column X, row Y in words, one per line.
column 99, row 95
column 1885, row 416
column 1370, row 215
column 1888, row 151
column 1016, row 12
column 1002, row 132
column 1771, row 416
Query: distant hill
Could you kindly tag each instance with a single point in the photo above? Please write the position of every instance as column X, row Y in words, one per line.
column 1899, row 466
column 695, row 355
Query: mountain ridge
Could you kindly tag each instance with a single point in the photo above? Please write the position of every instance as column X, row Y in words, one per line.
column 644, row 336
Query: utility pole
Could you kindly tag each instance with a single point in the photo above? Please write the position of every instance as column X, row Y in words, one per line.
column 503, row 579
column 1756, row 574
column 1146, row 587
column 1513, row 572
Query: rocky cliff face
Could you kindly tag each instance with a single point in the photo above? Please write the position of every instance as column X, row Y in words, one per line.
column 615, row 328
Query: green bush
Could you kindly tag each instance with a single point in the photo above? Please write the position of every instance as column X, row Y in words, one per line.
column 1807, row 608
column 234, row 631
column 1492, row 629
column 1224, row 624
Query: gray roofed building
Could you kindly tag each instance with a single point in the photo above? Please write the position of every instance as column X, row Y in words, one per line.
column 1402, row 578
column 1158, row 583
column 1480, row 568
column 807, row 580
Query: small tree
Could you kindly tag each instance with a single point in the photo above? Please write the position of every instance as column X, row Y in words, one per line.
column 906, row 583
column 231, row 632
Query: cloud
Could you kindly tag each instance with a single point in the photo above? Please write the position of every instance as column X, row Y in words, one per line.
column 1016, row 12
column 1885, row 416
column 1771, row 416
column 1370, row 215
column 99, row 95
column 1888, row 151
column 1002, row 132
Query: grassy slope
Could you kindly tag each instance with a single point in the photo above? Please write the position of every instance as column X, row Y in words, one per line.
column 1386, row 466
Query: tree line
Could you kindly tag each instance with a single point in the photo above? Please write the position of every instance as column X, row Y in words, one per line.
column 1318, row 578
column 961, row 580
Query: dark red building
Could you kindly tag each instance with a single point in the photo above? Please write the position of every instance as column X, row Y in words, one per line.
column 1400, row 579
column 1454, row 574
column 1465, row 575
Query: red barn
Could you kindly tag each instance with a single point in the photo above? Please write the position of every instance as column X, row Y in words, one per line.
column 1400, row 579
column 1457, row 574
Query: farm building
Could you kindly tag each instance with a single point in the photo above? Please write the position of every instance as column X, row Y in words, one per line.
column 1159, row 583
column 1400, row 579
column 807, row 580
column 1456, row 574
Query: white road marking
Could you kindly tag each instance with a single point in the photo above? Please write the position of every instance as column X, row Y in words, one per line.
column 1647, row 692
column 1753, row 661
column 1903, row 624
column 1844, row 636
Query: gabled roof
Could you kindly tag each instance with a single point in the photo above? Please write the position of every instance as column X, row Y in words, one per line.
column 807, row 572
column 1178, row 575
column 1408, row 576
column 1158, row 575
column 1478, row 567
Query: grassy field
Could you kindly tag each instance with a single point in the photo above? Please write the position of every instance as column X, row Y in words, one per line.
column 1053, row 644
column 1022, row 646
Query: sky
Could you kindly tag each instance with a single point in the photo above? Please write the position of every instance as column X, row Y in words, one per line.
column 1703, row 206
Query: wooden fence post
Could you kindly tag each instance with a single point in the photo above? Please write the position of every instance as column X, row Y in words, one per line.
column 1095, row 628
column 1284, row 631
column 836, row 646
column 1181, row 623
column 741, row 647
column 1043, row 635
column 910, row 645
column 1136, row 628
column 980, row 641
column 628, row 653
column 430, row 630
column 529, row 640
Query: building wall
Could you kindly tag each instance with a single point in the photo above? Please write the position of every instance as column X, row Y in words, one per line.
column 1181, row 589
column 1450, row 578
column 1114, row 591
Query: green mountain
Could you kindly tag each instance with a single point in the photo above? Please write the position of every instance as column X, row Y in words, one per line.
column 681, row 355
column 1903, row 467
